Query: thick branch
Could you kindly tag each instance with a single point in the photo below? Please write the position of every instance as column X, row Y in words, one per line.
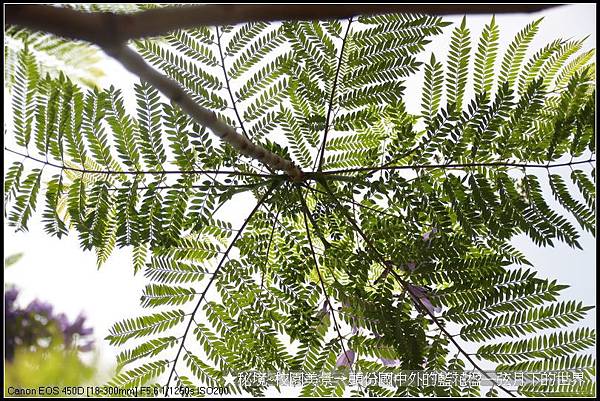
column 171, row 89
column 107, row 29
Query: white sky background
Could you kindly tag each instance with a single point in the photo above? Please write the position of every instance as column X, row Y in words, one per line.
column 59, row 272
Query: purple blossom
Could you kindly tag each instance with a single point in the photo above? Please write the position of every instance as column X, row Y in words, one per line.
column 417, row 291
column 411, row 266
column 325, row 309
column 420, row 297
column 62, row 321
column 10, row 296
column 390, row 362
column 429, row 306
column 35, row 325
column 76, row 329
column 345, row 359
column 39, row 307
column 428, row 234
column 87, row 346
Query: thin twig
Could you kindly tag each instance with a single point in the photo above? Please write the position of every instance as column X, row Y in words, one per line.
column 215, row 273
column 332, row 97
column 233, row 102
column 262, row 278
column 450, row 166
column 327, row 299
column 406, row 287
column 115, row 172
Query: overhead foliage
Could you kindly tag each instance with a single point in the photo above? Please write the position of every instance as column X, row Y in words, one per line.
column 402, row 213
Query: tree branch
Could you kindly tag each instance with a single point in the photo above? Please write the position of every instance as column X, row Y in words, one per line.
column 171, row 89
column 108, row 29
column 105, row 30
column 111, row 32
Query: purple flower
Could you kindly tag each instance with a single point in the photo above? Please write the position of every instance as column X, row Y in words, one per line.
column 411, row 266
column 87, row 346
column 324, row 311
column 429, row 306
column 76, row 328
column 35, row 325
column 417, row 291
column 38, row 307
column 420, row 297
column 345, row 359
column 428, row 234
column 10, row 296
column 390, row 362
column 62, row 321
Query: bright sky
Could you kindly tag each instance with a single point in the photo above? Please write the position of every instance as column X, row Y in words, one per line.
column 58, row 271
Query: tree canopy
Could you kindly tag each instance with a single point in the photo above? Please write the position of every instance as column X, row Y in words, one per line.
column 388, row 251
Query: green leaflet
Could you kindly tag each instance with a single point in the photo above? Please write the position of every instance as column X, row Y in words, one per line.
column 54, row 224
column 158, row 294
column 487, row 51
column 144, row 326
column 12, row 180
column 25, row 202
column 26, row 78
column 140, row 375
column 150, row 348
column 432, row 89
column 552, row 316
column 554, row 345
column 516, row 52
column 78, row 59
column 458, row 63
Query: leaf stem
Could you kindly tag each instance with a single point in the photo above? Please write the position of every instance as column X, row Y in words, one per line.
column 331, row 98
column 220, row 265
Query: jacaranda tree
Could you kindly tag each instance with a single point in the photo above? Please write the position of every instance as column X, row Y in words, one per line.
column 380, row 236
